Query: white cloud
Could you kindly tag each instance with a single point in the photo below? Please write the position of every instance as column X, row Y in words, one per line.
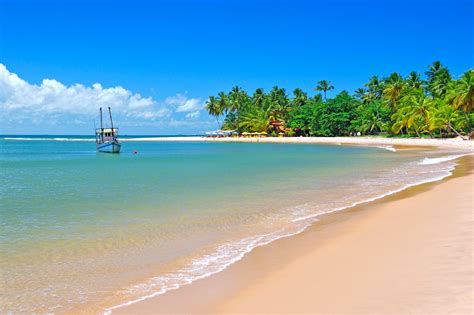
column 53, row 97
column 52, row 103
column 152, row 115
column 192, row 115
column 184, row 104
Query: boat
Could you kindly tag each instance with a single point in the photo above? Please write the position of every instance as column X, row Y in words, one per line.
column 106, row 138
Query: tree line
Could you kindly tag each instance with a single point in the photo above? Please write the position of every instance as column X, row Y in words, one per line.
column 436, row 105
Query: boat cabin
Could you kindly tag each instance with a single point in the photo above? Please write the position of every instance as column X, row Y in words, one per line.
column 105, row 134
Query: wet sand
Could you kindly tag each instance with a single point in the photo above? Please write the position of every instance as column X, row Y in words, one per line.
column 411, row 252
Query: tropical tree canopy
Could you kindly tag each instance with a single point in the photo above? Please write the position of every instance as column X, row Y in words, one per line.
column 435, row 106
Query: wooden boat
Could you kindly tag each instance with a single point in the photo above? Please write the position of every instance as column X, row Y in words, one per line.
column 106, row 138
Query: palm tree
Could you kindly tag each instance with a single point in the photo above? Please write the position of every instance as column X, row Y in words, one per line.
column 448, row 118
column 417, row 108
column 258, row 97
column 214, row 109
column 318, row 98
column 278, row 103
column 223, row 102
column 438, row 79
column 255, row 120
column 231, row 121
column 375, row 87
column 393, row 89
column 369, row 97
column 461, row 92
column 324, row 85
column 237, row 99
column 413, row 80
column 360, row 93
column 300, row 97
column 400, row 121
column 433, row 70
column 371, row 123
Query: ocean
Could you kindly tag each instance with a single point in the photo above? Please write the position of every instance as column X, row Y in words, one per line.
column 87, row 231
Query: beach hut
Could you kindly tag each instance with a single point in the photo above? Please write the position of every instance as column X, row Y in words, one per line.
column 278, row 126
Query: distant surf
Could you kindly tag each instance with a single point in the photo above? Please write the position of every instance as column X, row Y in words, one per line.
column 46, row 139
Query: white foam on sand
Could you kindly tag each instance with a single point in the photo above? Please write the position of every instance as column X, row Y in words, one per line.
column 205, row 266
column 388, row 147
column 437, row 160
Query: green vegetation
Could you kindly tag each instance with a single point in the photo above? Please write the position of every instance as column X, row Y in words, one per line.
column 439, row 106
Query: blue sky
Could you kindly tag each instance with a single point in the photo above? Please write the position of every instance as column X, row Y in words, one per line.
column 170, row 55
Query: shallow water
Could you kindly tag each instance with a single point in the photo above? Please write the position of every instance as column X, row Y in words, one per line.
column 81, row 230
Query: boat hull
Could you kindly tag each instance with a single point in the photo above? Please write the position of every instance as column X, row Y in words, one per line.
column 109, row 147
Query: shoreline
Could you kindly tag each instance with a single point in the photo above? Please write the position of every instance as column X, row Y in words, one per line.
column 370, row 141
column 452, row 143
column 241, row 275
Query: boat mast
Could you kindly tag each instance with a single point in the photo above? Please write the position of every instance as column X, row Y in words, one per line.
column 111, row 123
column 101, row 127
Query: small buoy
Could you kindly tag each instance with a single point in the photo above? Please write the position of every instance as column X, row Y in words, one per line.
column 135, row 152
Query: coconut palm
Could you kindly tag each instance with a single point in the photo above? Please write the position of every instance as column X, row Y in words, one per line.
column 417, row 107
column 223, row 101
column 360, row 93
column 433, row 69
column 231, row 121
column 318, row 98
column 438, row 78
column 400, row 121
column 324, row 85
column 371, row 123
column 413, row 80
column 375, row 87
column 278, row 103
column 300, row 97
column 237, row 99
column 393, row 89
column 255, row 120
column 369, row 97
column 214, row 109
column 258, row 97
column 461, row 92
column 448, row 118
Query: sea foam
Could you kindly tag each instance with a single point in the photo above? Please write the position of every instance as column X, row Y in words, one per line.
column 437, row 160
column 388, row 147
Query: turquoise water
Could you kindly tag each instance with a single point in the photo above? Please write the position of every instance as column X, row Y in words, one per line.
column 85, row 231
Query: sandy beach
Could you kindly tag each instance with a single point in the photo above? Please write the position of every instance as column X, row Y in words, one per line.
column 366, row 141
column 411, row 252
